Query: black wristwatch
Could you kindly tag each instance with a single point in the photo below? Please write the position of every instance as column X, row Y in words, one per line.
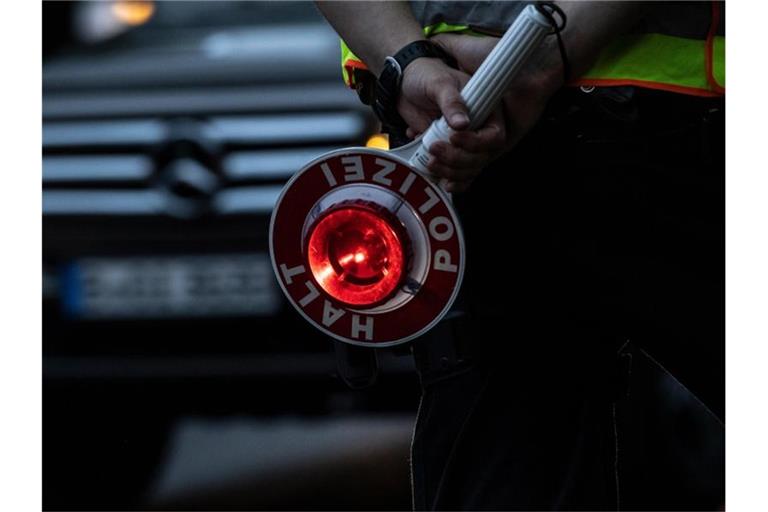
column 388, row 85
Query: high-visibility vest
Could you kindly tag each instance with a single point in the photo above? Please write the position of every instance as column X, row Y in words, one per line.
column 681, row 50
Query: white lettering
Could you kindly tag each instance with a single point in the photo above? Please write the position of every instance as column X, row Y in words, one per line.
column 357, row 327
column 441, row 236
column 353, row 167
column 312, row 295
column 288, row 273
column 432, row 201
column 328, row 174
column 407, row 182
column 443, row 261
column 386, row 168
column 331, row 314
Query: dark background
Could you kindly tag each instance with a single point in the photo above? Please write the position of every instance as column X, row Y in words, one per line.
column 175, row 375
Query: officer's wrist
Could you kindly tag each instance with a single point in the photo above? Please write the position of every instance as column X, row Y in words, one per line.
column 390, row 47
column 544, row 72
column 419, row 67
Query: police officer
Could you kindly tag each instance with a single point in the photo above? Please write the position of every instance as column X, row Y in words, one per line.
column 603, row 169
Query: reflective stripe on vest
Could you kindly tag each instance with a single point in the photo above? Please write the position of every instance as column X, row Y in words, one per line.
column 664, row 62
column 349, row 62
column 656, row 61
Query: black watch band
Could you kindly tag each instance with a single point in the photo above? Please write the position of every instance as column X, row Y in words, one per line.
column 388, row 85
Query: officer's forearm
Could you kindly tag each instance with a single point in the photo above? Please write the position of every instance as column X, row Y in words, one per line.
column 372, row 30
column 593, row 25
column 590, row 27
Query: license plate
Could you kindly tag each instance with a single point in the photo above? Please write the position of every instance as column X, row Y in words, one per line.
column 174, row 286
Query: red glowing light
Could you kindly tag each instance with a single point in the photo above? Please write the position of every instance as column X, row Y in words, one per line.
column 356, row 256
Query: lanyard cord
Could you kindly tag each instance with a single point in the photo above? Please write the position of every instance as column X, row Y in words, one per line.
column 548, row 10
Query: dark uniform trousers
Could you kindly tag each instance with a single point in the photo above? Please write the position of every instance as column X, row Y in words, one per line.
column 604, row 226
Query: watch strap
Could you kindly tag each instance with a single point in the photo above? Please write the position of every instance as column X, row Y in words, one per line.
column 387, row 87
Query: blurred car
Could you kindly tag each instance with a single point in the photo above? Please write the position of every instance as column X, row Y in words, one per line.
column 169, row 129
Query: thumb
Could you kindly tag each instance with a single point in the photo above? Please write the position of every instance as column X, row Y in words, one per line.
column 451, row 104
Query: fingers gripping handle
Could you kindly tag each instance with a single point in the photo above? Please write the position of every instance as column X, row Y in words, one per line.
column 486, row 87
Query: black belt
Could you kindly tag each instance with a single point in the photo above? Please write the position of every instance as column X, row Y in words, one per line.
column 460, row 343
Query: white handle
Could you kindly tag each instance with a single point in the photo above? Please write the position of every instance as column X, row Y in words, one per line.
column 486, row 87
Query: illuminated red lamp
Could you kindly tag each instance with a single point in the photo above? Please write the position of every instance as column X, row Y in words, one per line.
column 357, row 255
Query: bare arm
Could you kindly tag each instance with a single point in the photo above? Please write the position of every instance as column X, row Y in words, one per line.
column 373, row 30
column 590, row 27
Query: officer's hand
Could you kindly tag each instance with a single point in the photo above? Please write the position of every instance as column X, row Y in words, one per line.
column 469, row 152
column 523, row 102
column 430, row 89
